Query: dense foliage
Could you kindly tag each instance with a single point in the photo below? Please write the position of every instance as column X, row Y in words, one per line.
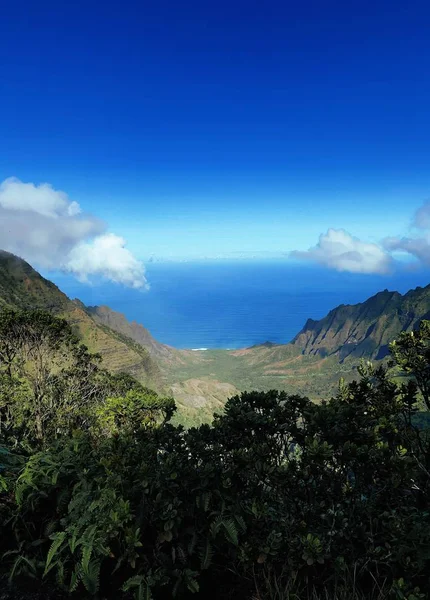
column 279, row 498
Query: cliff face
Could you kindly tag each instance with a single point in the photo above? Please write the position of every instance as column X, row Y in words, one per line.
column 23, row 287
column 365, row 329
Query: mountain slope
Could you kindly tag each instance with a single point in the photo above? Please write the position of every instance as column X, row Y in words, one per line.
column 365, row 329
column 133, row 330
column 23, row 287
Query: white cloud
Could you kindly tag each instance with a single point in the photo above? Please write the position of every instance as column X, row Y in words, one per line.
column 45, row 227
column 41, row 199
column 107, row 255
column 417, row 246
column 337, row 249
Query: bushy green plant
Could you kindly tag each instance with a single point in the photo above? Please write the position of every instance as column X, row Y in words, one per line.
column 279, row 498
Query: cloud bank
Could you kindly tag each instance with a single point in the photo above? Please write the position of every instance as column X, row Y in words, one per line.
column 43, row 226
column 339, row 250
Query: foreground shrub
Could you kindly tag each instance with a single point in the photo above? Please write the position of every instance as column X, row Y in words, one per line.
column 279, row 498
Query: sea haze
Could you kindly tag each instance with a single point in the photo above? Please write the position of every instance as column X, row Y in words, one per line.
column 221, row 304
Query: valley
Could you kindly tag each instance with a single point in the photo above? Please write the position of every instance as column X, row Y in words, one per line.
column 202, row 381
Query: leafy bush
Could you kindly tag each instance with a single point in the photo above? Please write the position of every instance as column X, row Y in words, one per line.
column 279, row 498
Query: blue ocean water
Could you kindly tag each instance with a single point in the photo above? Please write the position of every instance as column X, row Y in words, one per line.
column 221, row 304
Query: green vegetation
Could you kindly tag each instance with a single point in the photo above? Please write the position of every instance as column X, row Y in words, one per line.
column 21, row 287
column 312, row 364
column 201, row 382
column 411, row 353
column 260, row 368
column 51, row 385
column 280, row 498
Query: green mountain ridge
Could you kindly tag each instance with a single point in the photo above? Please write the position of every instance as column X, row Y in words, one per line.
column 23, row 287
column 364, row 330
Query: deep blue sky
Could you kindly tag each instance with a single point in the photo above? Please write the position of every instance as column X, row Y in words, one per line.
column 195, row 128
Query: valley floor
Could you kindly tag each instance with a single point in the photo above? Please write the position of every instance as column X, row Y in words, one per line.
column 202, row 381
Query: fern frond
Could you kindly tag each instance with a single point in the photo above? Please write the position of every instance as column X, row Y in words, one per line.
column 206, row 555
column 193, row 585
column 72, row 542
column 87, row 550
column 91, row 577
column 215, row 526
column 231, row 531
column 17, row 566
column 134, row 581
column 90, row 532
column 56, row 544
column 143, row 591
column 60, row 573
column 74, row 581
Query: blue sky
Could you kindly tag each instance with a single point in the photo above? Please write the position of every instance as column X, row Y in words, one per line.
column 195, row 128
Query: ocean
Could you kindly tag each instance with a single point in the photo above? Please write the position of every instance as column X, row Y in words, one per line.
column 235, row 304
